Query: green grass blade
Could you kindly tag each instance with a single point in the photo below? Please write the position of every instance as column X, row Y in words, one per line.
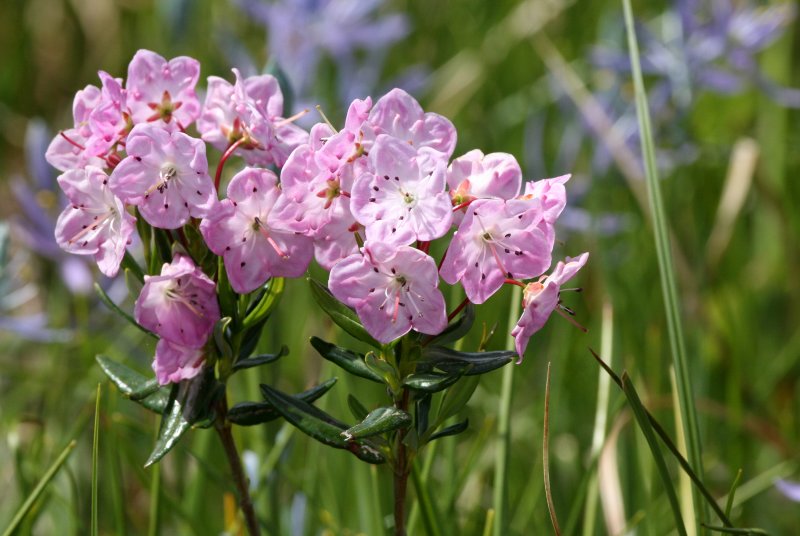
column 95, row 451
column 546, row 456
column 500, row 493
column 732, row 493
column 665, row 263
column 155, row 495
column 644, row 425
column 40, row 487
column 430, row 517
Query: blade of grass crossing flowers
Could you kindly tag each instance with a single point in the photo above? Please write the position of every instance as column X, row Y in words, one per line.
column 40, row 487
column 684, row 482
column 665, row 263
column 546, row 456
column 500, row 498
column 644, row 425
column 95, row 452
column 600, row 418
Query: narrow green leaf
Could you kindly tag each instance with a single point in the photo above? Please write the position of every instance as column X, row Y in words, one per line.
column 221, row 338
column 342, row 315
column 454, row 429
column 95, row 456
column 324, row 428
column 261, row 359
column 456, row 398
column 114, row 307
column 742, row 531
column 669, row 287
column 262, row 308
column 644, row 425
column 346, row 359
column 129, row 263
column 145, row 233
column 253, row 413
column 430, row 382
column 379, row 421
column 457, row 329
column 190, row 404
column 144, row 391
column 450, row 360
column 40, row 487
column 732, row 493
column 173, row 426
column 431, row 517
column 384, row 369
column 225, row 294
column 358, row 409
column 161, row 250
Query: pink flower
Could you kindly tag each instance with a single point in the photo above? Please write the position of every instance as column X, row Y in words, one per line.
column 399, row 115
column 68, row 149
column 174, row 362
column 552, row 194
column 254, row 251
column 166, row 175
column 163, row 91
column 393, row 290
column 335, row 241
column 180, row 305
column 109, row 122
column 496, row 240
column 478, row 176
column 403, row 199
column 95, row 222
column 316, row 183
column 541, row 298
column 249, row 112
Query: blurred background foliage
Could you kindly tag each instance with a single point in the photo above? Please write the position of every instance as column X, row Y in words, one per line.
column 541, row 79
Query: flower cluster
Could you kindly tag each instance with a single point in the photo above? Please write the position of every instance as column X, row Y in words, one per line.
column 365, row 201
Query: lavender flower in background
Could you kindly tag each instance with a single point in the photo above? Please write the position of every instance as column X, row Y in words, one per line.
column 789, row 489
column 39, row 205
column 355, row 34
column 704, row 46
column 17, row 294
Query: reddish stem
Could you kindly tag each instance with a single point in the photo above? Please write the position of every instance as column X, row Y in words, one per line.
column 424, row 246
column 71, row 141
column 458, row 309
column 228, row 152
column 514, row 282
column 465, row 204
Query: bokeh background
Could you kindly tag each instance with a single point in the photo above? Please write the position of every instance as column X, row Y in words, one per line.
column 545, row 80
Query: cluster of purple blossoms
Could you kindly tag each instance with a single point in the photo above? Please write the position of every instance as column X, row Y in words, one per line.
column 365, row 201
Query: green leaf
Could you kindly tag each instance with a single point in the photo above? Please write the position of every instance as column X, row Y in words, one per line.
column 220, row 337
column 95, row 457
column 644, row 425
column 321, row 426
column 379, row 421
column 454, row 429
column 145, row 232
column 341, row 314
column 225, row 294
column 350, row 361
column 114, row 307
column 453, row 361
column 261, row 359
column 162, row 250
column 430, row 382
column 458, row 329
column 261, row 309
column 742, row 531
column 190, row 403
column 40, row 487
column 385, row 370
column 358, row 409
column 145, row 391
column 196, row 244
column 253, row 413
column 456, row 398
column 129, row 264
